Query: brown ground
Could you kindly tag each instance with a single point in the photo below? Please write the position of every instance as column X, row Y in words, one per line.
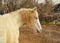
column 50, row 34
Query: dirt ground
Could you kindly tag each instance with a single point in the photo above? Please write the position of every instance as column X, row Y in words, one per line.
column 49, row 34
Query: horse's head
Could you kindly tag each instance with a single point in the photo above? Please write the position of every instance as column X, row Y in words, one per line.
column 30, row 18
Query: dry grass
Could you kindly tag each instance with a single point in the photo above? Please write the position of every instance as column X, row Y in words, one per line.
column 50, row 34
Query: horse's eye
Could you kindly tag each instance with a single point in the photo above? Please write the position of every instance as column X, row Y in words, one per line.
column 36, row 17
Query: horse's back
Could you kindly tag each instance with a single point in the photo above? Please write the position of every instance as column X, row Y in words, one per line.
column 8, row 29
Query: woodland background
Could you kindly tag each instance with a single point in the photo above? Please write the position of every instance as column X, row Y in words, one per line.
column 45, row 10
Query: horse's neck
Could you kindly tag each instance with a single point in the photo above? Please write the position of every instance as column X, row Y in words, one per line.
column 9, row 20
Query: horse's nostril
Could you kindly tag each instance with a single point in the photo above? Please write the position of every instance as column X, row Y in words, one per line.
column 38, row 31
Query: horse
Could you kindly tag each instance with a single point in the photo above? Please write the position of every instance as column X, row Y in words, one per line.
column 11, row 22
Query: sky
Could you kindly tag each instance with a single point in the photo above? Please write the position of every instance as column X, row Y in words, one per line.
column 54, row 1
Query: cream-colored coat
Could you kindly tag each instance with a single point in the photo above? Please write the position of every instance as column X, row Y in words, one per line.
column 9, row 29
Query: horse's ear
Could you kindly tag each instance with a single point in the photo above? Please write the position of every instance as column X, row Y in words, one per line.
column 35, row 8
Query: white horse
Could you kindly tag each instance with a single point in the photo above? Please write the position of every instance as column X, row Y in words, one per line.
column 10, row 23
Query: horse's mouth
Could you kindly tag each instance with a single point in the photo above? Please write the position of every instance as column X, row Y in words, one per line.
column 38, row 27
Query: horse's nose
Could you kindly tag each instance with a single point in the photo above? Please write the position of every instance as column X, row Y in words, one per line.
column 38, row 27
